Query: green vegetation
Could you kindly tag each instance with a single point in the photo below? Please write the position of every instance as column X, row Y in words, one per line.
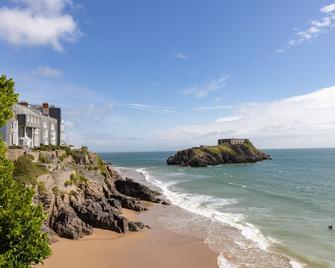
column 15, row 147
column 67, row 183
column 41, row 189
column 49, row 148
column 73, row 193
column 250, row 147
column 76, row 179
column 43, row 159
column 62, row 157
column 22, row 243
column 218, row 149
column 26, row 171
column 101, row 165
column 55, row 190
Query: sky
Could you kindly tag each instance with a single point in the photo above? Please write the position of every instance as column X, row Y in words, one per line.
column 166, row 75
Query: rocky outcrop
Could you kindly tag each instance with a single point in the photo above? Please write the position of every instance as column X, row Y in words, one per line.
column 220, row 154
column 137, row 190
column 66, row 223
column 81, row 192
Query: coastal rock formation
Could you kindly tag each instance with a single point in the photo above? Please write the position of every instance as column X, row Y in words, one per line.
column 137, row 190
column 80, row 192
column 223, row 153
column 66, row 223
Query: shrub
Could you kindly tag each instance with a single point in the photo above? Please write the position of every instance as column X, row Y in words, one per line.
column 31, row 157
column 55, row 190
column 62, row 157
column 22, row 243
column 101, row 165
column 41, row 189
column 77, row 179
column 67, row 183
column 43, row 159
column 26, row 171
column 73, row 193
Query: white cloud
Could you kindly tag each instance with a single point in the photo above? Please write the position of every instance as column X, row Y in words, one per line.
column 229, row 118
column 48, row 71
column 182, row 56
column 38, row 23
column 314, row 29
column 213, row 108
column 328, row 9
column 206, row 89
column 302, row 121
column 146, row 107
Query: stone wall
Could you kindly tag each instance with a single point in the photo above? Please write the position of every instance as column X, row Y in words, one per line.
column 232, row 141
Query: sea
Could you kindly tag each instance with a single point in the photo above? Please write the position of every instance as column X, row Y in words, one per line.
column 273, row 213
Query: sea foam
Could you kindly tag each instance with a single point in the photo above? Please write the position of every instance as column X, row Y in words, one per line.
column 207, row 206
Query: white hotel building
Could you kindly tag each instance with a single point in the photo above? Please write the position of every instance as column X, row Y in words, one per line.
column 33, row 125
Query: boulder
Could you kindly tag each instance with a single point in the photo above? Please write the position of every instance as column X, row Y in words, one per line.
column 67, row 224
column 134, row 189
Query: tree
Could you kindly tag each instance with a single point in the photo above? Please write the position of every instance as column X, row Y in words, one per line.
column 22, row 242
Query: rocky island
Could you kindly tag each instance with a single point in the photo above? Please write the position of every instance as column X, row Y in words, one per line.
column 227, row 151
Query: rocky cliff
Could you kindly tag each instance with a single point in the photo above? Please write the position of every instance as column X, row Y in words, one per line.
column 220, row 154
column 80, row 192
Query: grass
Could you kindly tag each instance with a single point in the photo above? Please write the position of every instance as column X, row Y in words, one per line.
column 76, row 179
column 26, row 171
column 43, row 159
column 218, row 149
column 41, row 189
column 250, row 147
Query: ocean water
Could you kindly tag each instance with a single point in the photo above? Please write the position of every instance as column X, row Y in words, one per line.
column 253, row 214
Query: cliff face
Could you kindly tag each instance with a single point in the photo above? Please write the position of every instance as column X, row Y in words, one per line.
column 80, row 192
column 220, row 154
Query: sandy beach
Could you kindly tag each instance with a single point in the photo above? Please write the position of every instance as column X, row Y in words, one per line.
column 155, row 247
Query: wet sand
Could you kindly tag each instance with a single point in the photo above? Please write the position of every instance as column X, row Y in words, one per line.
column 150, row 248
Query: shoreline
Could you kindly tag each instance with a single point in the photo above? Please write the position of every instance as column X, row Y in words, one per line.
column 225, row 259
column 154, row 247
column 168, row 244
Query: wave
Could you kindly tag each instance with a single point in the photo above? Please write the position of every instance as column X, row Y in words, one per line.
column 207, row 206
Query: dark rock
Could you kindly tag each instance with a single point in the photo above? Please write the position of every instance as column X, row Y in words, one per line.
column 67, row 224
column 137, row 190
column 101, row 215
column 136, row 226
column 129, row 203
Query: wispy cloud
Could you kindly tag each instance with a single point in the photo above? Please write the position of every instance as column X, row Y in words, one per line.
column 229, row 118
column 213, row 108
column 301, row 121
column 211, row 86
column 315, row 28
column 38, row 23
column 145, row 107
column 48, row 71
column 181, row 56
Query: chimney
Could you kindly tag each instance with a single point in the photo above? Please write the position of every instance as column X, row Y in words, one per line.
column 45, row 108
column 24, row 103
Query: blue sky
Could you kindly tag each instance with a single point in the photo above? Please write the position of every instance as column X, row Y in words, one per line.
column 165, row 75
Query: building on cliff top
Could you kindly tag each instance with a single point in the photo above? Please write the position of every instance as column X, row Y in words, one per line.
column 232, row 141
column 33, row 125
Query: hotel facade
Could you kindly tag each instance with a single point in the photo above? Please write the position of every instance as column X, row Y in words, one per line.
column 34, row 125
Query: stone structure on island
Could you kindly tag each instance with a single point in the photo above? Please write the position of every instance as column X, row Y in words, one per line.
column 227, row 151
column 232, row 141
